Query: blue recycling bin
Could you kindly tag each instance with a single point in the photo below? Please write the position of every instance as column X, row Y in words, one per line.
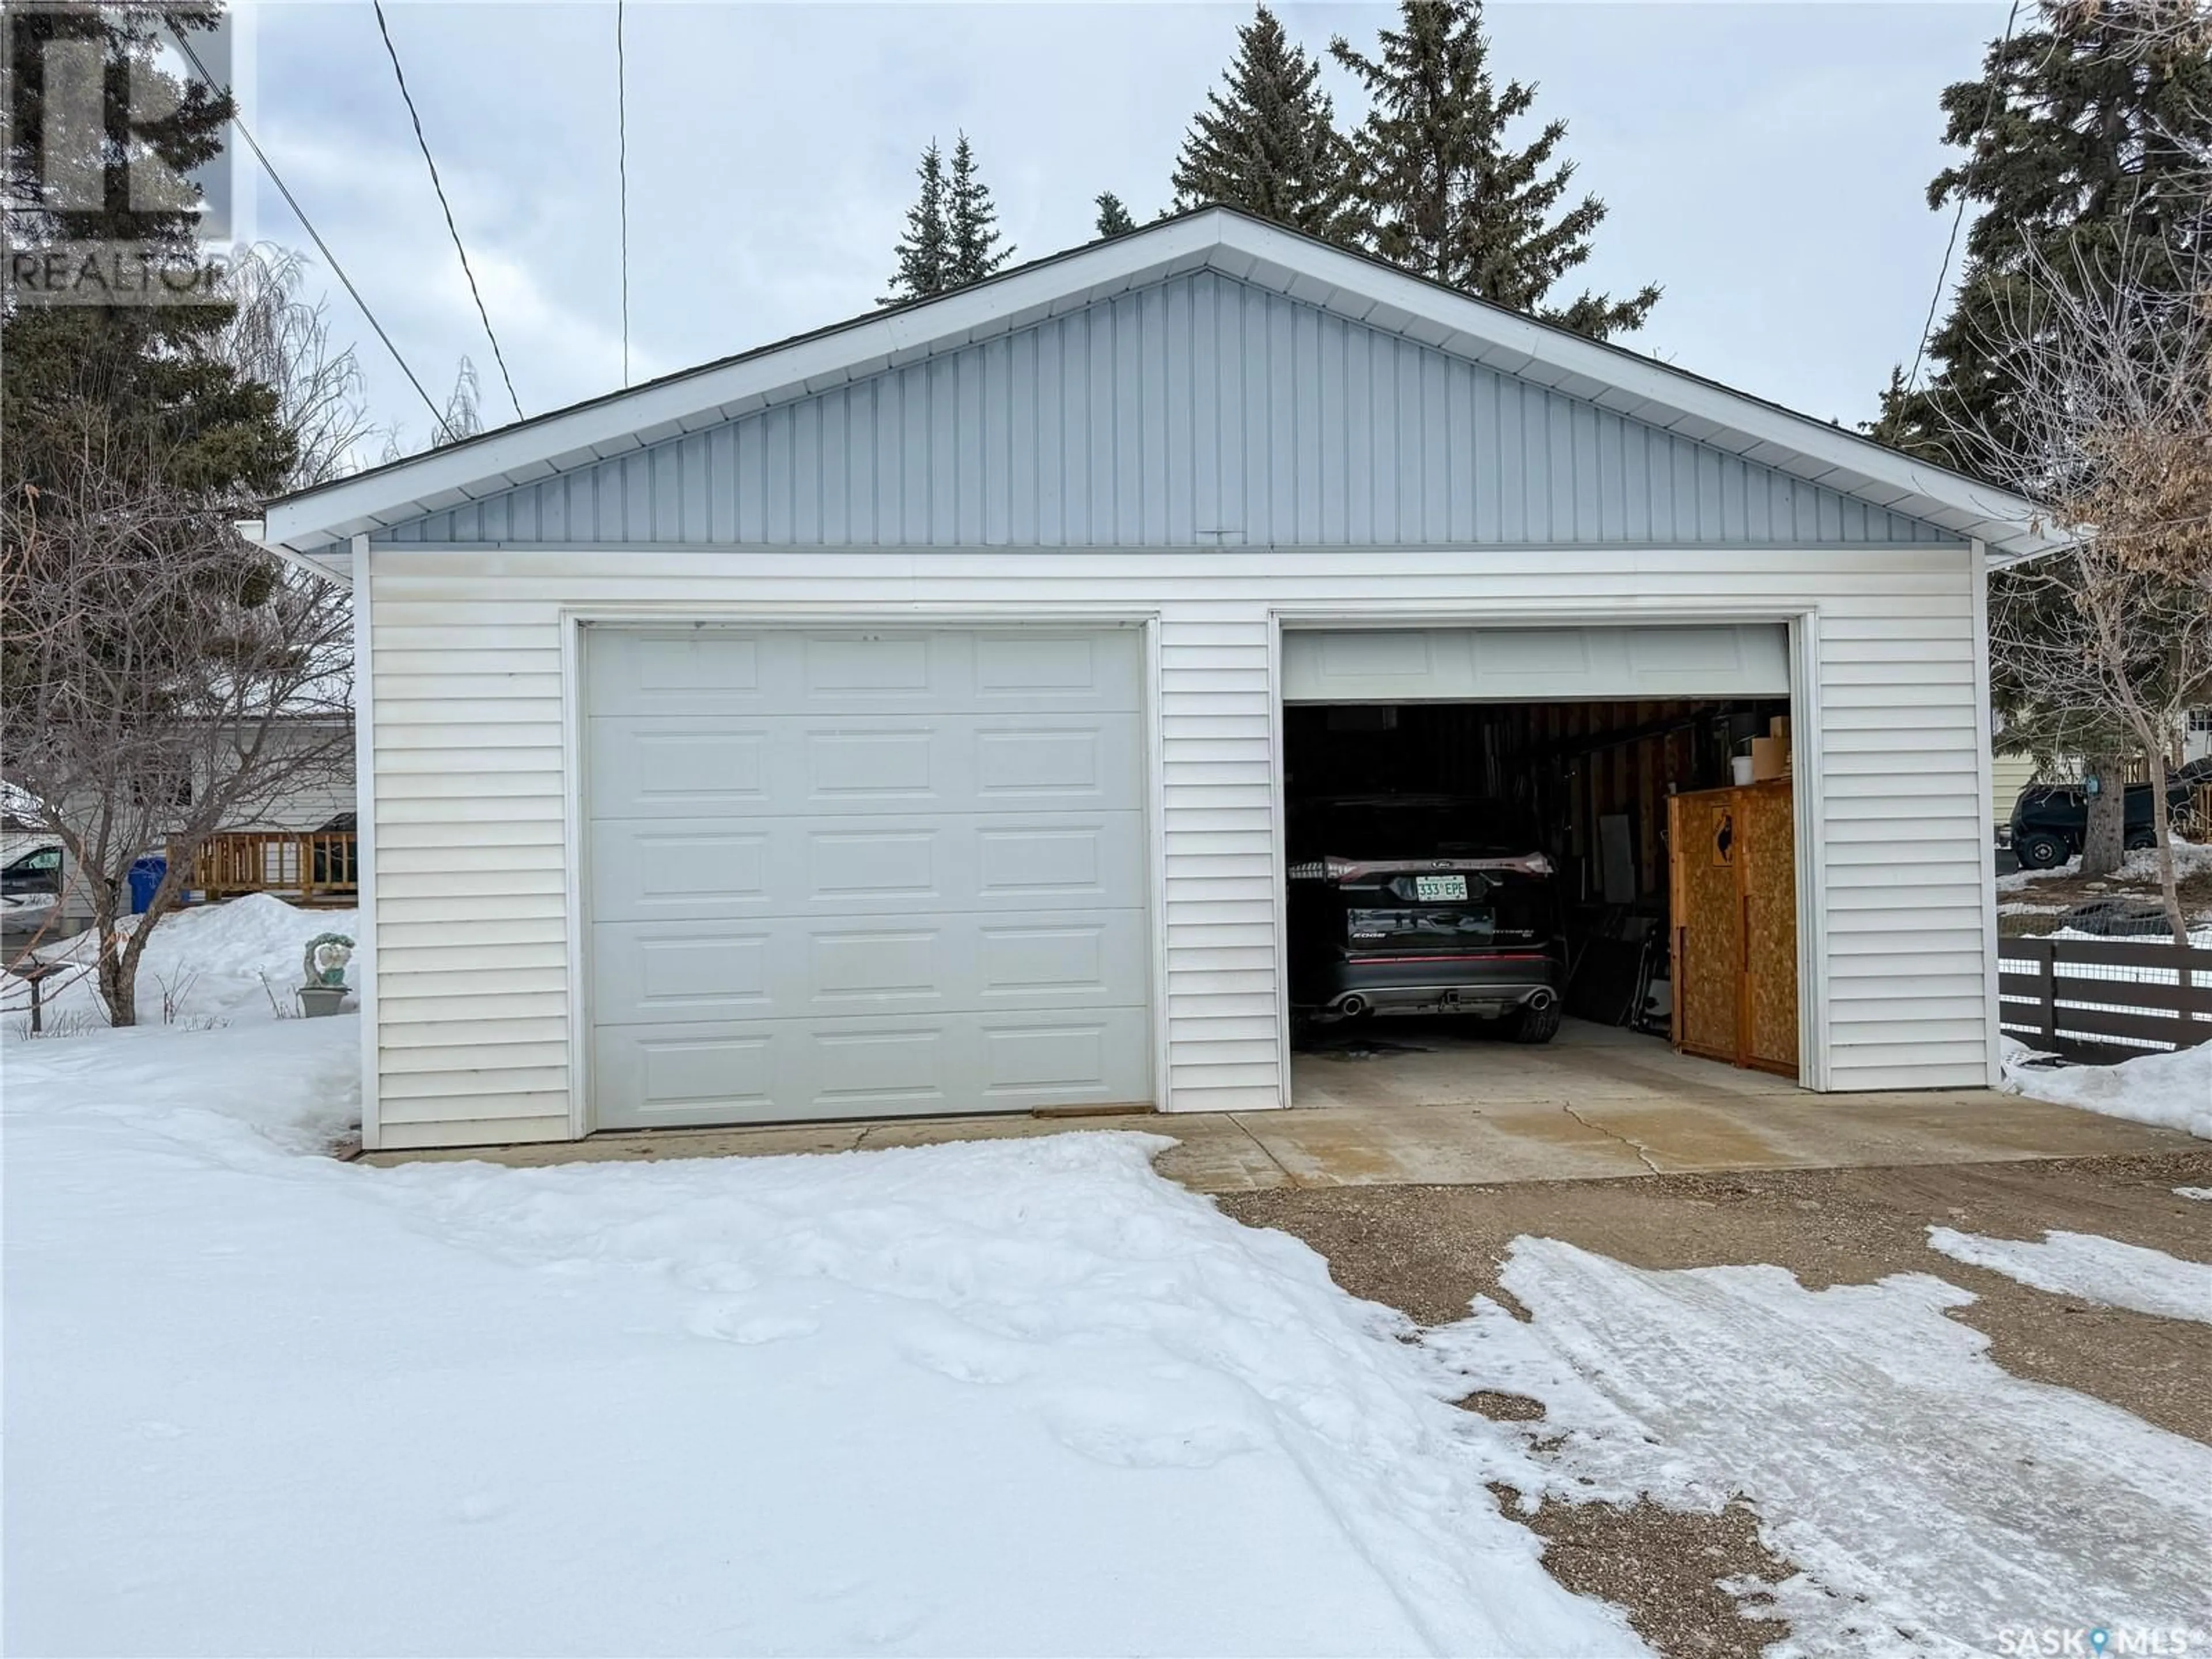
column 145, row 876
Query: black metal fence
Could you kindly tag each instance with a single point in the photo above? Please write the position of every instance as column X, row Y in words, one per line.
column 2104, row 998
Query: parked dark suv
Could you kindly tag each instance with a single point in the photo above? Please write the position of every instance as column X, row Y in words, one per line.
column 2050, row 820
column 1422, row 905
column 39, row 871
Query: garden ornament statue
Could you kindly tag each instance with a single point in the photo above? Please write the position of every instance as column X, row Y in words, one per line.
column 324, row 967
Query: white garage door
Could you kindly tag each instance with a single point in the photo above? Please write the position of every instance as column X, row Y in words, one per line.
column 1514, row 664
column 843, row 874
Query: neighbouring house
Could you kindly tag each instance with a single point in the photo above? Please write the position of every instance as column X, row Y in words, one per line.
column 905, row 718
column 2008, row 775
column 297, row 842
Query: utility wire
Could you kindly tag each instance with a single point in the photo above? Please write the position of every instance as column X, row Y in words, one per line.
column 314, row 235
column 438, row 185
column 622, row 169
column 1965, row 186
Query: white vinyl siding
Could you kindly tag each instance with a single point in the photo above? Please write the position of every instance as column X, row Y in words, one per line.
column 474, row 766
column 2008, row 775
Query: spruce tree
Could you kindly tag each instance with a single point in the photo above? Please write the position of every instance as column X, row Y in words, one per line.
column 971, row 223
column 2084, row 140
column 1267, row 141
column 1114, row 219
column 150, row 376
column 925, row 251
column 1441, row 191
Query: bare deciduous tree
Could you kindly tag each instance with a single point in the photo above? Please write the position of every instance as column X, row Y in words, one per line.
column 278, row 339
column 2154, row 24
column 162, row 680
column 463, row 416
column 2114, row 424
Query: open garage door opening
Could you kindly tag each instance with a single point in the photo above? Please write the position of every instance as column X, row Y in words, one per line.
column 1523, row 881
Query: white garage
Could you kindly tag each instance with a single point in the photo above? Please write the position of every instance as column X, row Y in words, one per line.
column 903, row 719
column 839, row 873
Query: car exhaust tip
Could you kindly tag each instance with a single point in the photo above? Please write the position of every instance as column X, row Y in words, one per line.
column 1351, row 1006
column 1540, row 999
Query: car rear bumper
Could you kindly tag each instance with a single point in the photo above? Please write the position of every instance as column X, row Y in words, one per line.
column 1348, row 989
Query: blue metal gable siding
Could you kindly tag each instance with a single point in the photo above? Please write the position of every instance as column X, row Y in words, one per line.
column 1198, row 411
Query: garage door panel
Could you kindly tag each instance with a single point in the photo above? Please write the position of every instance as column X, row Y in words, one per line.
column 785, row 968
column 1466, row 663
column 660, row 1075
column 836, row 874
column 693, row 671
column 770, row 765
column 698, row 868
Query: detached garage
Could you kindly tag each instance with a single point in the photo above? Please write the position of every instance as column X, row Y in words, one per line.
column 912, row 717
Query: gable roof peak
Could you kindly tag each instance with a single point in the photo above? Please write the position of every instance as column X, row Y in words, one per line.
column 1218, row 238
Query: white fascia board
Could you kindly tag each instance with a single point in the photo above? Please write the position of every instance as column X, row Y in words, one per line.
column 319, row 563
column 613, row 423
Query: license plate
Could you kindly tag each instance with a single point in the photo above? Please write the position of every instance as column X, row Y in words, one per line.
column 1439, row 889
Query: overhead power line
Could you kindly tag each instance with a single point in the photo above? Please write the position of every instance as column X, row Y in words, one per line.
column 1966, row 185
column 622, row 173
column 314, row 235
column 438, row 185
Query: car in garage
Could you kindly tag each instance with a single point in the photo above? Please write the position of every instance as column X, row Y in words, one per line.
column 1422, row 905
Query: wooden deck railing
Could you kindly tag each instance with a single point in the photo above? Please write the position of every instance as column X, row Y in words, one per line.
column 309, row 867
column 2104, row 995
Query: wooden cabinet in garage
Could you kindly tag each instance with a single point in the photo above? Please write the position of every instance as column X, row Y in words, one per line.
column 1733, row 903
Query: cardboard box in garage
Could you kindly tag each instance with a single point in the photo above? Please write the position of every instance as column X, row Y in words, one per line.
column 1770, row 758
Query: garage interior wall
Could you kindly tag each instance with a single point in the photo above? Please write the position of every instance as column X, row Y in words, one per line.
column 474, row 758
column 1567, row 765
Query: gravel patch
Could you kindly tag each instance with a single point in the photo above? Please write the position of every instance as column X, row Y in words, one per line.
column 1428, row 1250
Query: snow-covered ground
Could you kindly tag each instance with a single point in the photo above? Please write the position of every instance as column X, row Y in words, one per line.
column 2092, row 1268
column 2171, row 1091
column 1019, row 1397
column 1933, row 1502
column 217, row 963
column 2138, row 867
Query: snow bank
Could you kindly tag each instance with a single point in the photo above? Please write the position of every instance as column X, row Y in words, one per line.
column 2201, row 937
column 2171, row 1091
column 1933, row 1501
column 1017, row 1397
column 2091, row 1268
column 2203, row 1194
column 2190, row 858
column 213, row 957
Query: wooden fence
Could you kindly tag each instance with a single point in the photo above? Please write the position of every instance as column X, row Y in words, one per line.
column 2193, row 817
column 2109, row 997
column 308, row 866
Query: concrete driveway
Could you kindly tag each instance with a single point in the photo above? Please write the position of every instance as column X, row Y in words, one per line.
column 1428, row 1105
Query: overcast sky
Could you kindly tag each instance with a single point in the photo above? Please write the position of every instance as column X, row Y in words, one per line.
column 1766, row 164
